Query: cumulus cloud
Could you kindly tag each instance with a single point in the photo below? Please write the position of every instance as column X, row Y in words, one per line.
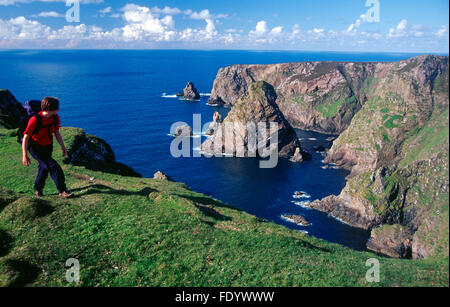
column 443, row 31
column 399, row 31
column 166, row 10
column 354, row 26
column 106, row 10
column 50, row 14
column 141, row 24
column 261, row 34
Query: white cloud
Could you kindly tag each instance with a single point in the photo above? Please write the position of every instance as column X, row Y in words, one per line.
column 106, row 10
column 50, row 14
column 141, row 24
column 166, row 10
column 260, row 29
column 354, row 26
column 443, row 31
column 399, row 31
column 402, row 25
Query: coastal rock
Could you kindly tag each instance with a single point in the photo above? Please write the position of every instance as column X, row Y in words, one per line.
column 190, row 92
column 183, row 131
column 217, row 120
column 10, row 110
column 319, row 148
column 257, row 105
column 397, row 177
column 94, row 154
column 180, row 94
column 297, row 219
column 161, row 176
column 391, row 240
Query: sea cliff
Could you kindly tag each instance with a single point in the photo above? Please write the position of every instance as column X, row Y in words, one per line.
column 392, row 121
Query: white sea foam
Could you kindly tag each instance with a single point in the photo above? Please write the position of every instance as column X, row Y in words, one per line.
column 205, row 94
column 312, row 139
column 302, row 204
column 164, row 95
column 339, row 220
column 304, row 195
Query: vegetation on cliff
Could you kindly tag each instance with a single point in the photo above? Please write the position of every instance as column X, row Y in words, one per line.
column 128, row 231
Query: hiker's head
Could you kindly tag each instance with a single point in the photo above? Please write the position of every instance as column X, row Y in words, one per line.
column 50, row 105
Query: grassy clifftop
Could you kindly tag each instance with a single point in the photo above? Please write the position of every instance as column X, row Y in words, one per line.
column 128, row 231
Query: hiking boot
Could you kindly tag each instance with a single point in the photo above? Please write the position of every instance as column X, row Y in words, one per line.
column 66, row 194
column 38, row 193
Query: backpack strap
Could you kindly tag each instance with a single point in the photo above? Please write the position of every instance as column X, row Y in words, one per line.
column 38, row 123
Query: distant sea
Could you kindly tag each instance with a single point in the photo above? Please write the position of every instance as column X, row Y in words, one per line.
column 126, row 97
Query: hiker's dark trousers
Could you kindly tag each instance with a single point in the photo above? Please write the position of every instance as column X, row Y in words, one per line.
column 43, row 154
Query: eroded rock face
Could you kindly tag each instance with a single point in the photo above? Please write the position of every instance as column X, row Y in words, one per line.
column 183, row 131
column 391, row 240
column 10, row 110
column 190, row 92
column 257, row 105
column 392, row 121
column 217, row 120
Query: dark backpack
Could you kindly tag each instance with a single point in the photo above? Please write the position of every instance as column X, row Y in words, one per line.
column 32, row 108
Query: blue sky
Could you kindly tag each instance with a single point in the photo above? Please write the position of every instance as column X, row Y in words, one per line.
column 325, row 25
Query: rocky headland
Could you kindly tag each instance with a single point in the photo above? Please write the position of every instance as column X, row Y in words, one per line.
column 392, row 121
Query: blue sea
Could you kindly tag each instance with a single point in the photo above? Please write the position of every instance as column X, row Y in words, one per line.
column 126, row 98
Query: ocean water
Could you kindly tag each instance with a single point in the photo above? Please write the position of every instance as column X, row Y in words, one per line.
column 126, row 97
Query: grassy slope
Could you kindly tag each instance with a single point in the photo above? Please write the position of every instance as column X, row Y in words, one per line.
column 143, row 232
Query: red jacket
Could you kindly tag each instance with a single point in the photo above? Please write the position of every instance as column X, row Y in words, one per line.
column 43, row 137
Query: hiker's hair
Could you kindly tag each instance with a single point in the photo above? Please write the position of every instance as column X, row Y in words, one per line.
column 50, row 104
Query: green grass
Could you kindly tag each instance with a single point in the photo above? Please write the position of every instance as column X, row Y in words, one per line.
column 391, row 122
column 330, row 109
column 433, row 135
column 142, row 232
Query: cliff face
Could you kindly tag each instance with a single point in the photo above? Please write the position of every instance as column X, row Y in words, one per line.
column 10, row 110
column 393, row 124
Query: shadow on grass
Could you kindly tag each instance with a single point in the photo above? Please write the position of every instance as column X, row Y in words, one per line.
column 308, row 245
column 23, row 272
column 5, row 242
column 103, row 189
column 202, row 203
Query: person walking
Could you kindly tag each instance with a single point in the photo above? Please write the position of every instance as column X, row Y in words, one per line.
column 38, row 140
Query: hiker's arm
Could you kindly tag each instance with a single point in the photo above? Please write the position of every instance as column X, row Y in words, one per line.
column 25, row 159
column 61, row 142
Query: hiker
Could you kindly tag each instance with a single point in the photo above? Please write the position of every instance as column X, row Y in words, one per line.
column 38, row 138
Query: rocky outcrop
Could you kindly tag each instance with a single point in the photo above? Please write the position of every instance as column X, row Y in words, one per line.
column 94, row 154
column 217, row 120
column 10, row 110
column 297, row 219
column 190, row 92
column 257, row 105
column 161, row 176
column 183, row 131
column 391, row 240
column 392, row 121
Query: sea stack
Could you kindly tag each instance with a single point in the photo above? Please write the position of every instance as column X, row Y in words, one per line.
column 257, row 105
column 190, row 92
column 217, row 120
